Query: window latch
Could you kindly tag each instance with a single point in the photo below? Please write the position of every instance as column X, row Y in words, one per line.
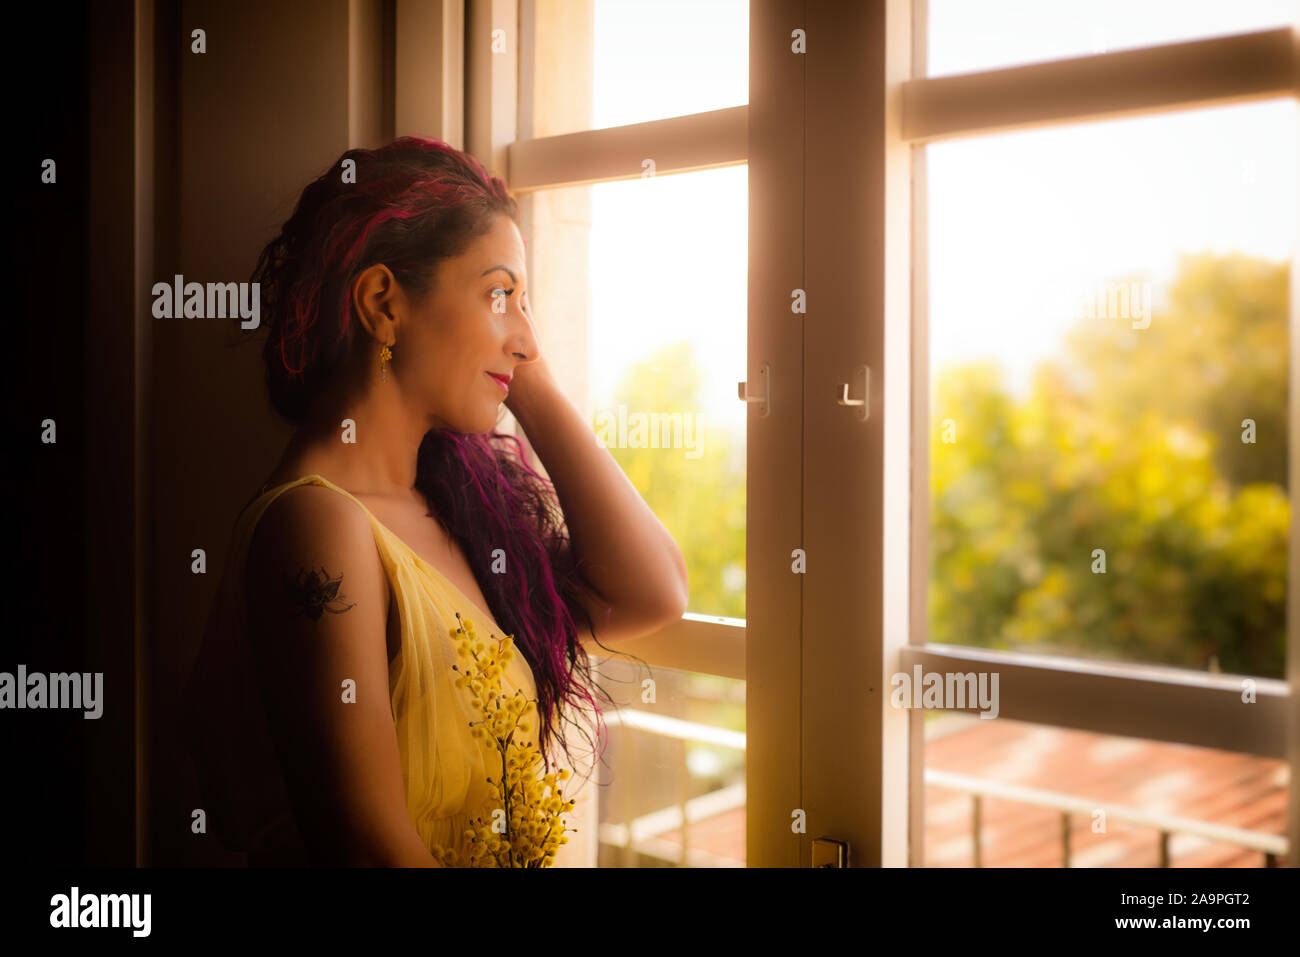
column 760, row 395
column 863, row 382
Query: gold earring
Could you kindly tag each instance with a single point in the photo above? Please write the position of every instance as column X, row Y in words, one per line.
column 384, row 355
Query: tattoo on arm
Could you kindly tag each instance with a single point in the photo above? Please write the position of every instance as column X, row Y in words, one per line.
column 315, row 592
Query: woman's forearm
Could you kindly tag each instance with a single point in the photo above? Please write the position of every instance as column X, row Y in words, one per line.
column 627, row 555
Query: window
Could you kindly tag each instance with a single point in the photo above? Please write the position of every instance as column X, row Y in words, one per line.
column 637, row 243
column 664, row 259
column 946, row 221
column 1105, row 300
column 1108, row 342
column 631, row 61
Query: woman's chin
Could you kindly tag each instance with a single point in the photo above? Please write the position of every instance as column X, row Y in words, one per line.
column 491, row 421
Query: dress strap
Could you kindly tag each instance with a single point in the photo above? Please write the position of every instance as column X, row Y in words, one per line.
column 381, row 532
column 313, row 479
column 394, row 551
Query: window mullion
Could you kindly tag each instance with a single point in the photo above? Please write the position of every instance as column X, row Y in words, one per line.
column 1177, row 75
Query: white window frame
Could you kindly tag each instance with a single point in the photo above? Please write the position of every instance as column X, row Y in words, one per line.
column 805, row 696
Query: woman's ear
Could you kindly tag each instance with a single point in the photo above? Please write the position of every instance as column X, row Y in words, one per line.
column 377, row 300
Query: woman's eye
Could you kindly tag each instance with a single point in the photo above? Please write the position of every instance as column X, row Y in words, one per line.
column 507, row 293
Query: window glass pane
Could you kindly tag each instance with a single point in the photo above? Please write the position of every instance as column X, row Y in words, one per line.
column 970, row 35
column 1032, row 767
column 603, row 63
column 1108, row 364
column 683, row 747
column 658, row 267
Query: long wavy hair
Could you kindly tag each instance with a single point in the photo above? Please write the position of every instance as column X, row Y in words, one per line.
column 414, row 203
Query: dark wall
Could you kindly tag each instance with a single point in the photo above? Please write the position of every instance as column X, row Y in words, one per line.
column 46, row 753
column 273, row 101
column 168, row 162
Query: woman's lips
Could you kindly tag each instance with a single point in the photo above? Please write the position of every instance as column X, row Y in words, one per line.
column 499, row 381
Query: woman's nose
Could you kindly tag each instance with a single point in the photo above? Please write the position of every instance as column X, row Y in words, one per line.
column 525, row 336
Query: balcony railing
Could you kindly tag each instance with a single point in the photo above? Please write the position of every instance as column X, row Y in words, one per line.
column 642, row 833
column 1271, row 846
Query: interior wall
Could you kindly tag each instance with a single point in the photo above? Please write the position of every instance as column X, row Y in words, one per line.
column 278, row 95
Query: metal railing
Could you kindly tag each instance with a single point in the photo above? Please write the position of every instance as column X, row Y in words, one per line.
column 642, row 832
column 1272, row 846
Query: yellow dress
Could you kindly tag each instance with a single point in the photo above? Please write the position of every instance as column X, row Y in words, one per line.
column 444, row 768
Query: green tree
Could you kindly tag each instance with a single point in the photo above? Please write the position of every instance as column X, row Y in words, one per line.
column 1116, row 513
column 701, row 501
column 1213, row 355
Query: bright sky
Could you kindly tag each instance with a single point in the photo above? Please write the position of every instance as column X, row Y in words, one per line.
column 654, row 59
column 1018, row 221
column 1015, row 219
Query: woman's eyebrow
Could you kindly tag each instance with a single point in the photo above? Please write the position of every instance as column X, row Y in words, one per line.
column 506, row 269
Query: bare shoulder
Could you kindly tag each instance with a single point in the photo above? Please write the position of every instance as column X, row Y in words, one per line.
column 314, row 511
column 317, row 617
column 311, row 530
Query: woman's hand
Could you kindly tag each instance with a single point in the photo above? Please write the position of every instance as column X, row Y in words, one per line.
column 629, row 558
column 532, row 382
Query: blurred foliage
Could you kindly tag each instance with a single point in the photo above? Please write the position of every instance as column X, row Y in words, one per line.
column 1131, row 444
column 1215, row 355
column 701, row 501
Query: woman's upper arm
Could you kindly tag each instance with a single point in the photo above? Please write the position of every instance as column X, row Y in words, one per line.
column 317, row 604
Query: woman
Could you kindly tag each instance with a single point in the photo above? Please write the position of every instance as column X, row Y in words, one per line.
column 327, row 725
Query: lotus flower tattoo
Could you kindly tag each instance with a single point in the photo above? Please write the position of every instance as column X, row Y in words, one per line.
column 315, row 592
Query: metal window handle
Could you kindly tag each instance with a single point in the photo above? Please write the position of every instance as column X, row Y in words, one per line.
column 827, row 852
column 761, row 396
column 863, row 378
